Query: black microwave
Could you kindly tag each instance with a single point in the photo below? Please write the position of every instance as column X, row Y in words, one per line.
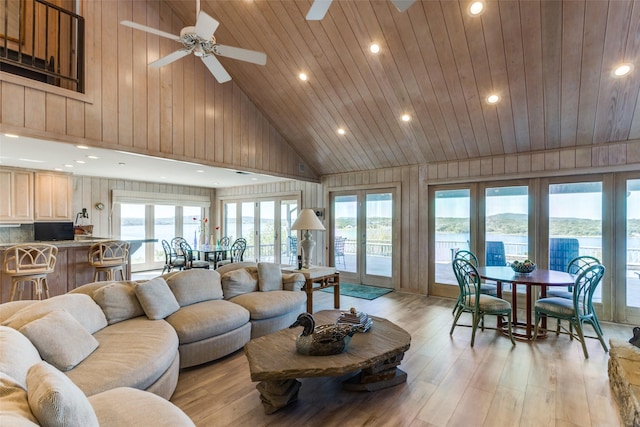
column 48, row 231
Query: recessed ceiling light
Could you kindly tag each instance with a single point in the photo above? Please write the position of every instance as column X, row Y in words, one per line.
column 10, row 135
column 341, row 131
column 622, row 70
column 200, row 171
column 303, row 77
column 82, row 147
column 57, row 169
column 492, row 99
column 31, row 160
column 476, row 8
column 374, row 48
column 68, row 166
column 254, row 179
column 406, row 117
column 80, row 161
column 93, row 157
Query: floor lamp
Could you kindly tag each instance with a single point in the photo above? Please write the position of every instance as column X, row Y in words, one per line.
column 307, row 221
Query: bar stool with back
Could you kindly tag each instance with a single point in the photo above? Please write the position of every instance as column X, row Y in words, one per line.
column 29, row 263
column 108, row 257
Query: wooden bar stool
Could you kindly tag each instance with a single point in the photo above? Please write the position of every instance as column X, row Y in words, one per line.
column 29, row 263
column 108, row 257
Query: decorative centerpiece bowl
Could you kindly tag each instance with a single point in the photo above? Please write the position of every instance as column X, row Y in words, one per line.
column 524, row 267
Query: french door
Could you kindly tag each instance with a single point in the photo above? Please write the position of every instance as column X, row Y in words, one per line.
column 362, row 236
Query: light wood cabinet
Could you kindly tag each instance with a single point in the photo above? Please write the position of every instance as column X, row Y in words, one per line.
column 53, row 197
column 16, row 197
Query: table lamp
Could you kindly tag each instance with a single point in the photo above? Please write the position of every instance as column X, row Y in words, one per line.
column 307, row 220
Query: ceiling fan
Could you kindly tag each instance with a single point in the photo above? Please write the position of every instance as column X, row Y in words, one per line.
column 319, row 8
column 200, row 41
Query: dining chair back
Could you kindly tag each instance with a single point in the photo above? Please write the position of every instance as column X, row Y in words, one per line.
column 561, row 251
column 108, row 257
column 338, row 251
column 576, row 266
column 578, row 311
column 225, row 242
column 171, row 259
column 473, row 302
column 175, row 245
column 29, row 263
column 485, row 288
column 190, row 261
column 495, row 255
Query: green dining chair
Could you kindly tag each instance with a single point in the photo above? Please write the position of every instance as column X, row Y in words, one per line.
column 578, row 310
column 485, row 288
column 476, row 303
column 576, row 266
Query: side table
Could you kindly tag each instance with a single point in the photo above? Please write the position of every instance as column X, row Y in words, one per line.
column 319, row 278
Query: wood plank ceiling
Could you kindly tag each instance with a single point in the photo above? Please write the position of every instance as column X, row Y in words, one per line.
column 549, row 61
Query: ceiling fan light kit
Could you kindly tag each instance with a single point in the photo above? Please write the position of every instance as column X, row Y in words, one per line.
column 200, row 41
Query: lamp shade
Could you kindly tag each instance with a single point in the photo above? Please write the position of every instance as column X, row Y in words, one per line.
column 307, row 220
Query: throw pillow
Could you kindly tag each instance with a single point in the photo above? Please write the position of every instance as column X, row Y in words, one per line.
column 238, row 282
column 192, row 286
column 118, row 301
column 55, row 400
column 293, row 281
column 269, row 276
column 156, row 298
column 13, row 400
column 60, row 339
column 17, row 355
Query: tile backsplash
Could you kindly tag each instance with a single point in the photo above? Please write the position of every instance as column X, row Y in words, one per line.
column 13, row 234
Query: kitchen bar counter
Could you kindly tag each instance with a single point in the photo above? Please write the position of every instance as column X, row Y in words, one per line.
column 72, row 266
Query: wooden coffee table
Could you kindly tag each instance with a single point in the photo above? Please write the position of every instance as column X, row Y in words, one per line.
column 374, row 355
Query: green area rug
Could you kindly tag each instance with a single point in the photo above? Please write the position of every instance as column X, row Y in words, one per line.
column 359, row 291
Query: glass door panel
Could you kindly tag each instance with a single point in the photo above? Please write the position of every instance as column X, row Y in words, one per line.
column 452, row 230
column 346, row 229
column 132, row 227
column 267, row 234
column 379, row 234
column 575, row 224
column 248, row 230
column 230, row 220
column 288, row 238
column 633, row 244
column 164, row 228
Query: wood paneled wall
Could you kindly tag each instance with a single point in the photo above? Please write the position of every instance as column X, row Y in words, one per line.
column 87, row 191
column 177, row 111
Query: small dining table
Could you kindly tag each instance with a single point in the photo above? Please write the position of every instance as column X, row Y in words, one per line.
column 539, row 277
column 212, row 253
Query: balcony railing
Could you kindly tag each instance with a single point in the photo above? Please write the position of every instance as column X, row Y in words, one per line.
column 43, row 42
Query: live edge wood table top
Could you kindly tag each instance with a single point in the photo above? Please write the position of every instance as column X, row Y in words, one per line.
column 274, row 361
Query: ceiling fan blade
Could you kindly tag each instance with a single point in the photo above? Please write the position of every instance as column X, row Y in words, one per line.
column 170, row 58
column 241, row 54
column 206, row 26
column 216, row 68
column 402, row 5
column 160, row 33
column 318, row 10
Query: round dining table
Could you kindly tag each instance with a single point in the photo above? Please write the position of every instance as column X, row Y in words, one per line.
column 539, row 277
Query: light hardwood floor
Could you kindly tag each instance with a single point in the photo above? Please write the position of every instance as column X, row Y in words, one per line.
column 546, row 383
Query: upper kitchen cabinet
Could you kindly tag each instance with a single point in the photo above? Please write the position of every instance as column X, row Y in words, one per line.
column 16, row 197
column 53, row 197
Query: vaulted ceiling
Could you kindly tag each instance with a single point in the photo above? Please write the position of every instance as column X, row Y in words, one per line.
column 549, row 61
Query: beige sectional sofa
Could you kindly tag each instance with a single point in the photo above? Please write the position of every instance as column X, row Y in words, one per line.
column 123, row 343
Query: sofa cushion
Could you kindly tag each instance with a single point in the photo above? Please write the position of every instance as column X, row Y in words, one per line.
column 196, row 285
column 60, row 339
column 125, row 360
column 80, row 306
column 118, row 301
column 13, row 400
column 238, row 282
column 264, row 305
column 269, row 276
column 293, row 281
column 136, row 408
column 55, row 400
column 8, row 309
column 234, row 266
column 156, row 298
column 207, row 319
column 17, row 355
